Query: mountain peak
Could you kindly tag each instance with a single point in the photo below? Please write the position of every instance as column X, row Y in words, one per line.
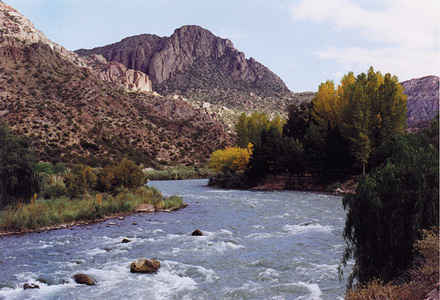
column 192, row 58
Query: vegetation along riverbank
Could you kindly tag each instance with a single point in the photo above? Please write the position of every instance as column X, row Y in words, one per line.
column 352, row 139
column 37, row 195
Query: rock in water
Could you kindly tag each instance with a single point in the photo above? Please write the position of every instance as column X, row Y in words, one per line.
column 145, row 266
column 84, row 279
column 197, row 232
column 125, row 241
column 30, row 286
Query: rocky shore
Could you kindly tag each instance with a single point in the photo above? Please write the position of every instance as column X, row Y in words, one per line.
column 285, row 183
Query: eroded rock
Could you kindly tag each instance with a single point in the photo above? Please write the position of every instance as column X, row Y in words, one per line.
column 145, row 266
column 84, row 279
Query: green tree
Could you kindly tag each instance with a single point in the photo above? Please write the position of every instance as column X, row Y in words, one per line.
column 18, row 180
column 390, row 208
column 242, row 131
column 298, row 121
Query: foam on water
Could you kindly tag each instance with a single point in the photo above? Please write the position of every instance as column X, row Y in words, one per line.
column 319, row 271
column 298, row 229
column 315, row 291
column 269, row 275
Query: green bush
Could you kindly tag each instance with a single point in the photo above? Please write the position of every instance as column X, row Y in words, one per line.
column 80, row 180
column 126, row 174
column 44, row 167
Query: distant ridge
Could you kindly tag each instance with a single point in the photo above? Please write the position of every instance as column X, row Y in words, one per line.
column 423, row 99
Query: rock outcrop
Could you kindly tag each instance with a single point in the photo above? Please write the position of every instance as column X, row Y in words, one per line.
column 423, row 99
column 17, row 29
column 184, row 60
column 119, row 74
column 145, row 266
column 204, row 69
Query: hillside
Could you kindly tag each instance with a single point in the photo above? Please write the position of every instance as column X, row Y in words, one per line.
column 202, row 67
column 72, row 114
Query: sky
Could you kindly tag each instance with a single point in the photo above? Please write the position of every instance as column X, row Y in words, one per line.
column 305, row 42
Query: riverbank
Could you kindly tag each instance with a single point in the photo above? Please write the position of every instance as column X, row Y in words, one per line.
column 119, row 216
column 178, row 173
column 43, row 215
column 285, row 183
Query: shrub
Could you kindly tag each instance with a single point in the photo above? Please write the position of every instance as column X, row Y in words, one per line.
column 125, row 174
column 44, row 167
column 79, row 180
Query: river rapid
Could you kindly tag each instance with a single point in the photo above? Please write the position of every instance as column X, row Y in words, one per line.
column 257, row 245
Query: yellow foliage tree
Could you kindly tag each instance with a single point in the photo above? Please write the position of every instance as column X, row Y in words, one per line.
column 231, row 159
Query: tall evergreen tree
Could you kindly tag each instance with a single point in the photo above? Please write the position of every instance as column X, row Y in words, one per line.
column 18, row 180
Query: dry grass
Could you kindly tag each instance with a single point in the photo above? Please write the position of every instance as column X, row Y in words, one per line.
column 424, row 277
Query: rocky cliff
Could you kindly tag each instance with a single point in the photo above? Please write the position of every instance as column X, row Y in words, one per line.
column 202, row 67
column 119, row 74
column 190, row 58
column 423, row 100
column 63, row 104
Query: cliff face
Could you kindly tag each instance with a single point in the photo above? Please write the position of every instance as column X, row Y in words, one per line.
column 423, row 99
column 192, row 57
column 15, row 29
column 119, row 74
column 74, row 109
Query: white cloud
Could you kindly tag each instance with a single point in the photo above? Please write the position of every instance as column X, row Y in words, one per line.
column 408, row 32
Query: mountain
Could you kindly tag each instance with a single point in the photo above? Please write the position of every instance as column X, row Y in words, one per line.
column 83, row 110
column 202, row 67
column 423, row 100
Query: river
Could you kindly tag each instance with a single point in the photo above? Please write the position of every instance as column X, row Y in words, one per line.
column 257, row 245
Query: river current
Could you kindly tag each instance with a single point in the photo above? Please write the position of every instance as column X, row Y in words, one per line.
column 256, row 245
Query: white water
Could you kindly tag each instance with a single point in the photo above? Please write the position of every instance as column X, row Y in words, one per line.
column 256, row 245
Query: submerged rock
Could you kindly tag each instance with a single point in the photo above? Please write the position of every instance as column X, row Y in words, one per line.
column 145, row 266
column 84, row 279
column 27, row 286
column 197, row 232
column 125, row 241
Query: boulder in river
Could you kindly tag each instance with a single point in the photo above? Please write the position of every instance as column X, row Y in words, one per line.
column 27, row 286
column 125, row 241
column 84, row 279
column 197, row 232
column 144, row 265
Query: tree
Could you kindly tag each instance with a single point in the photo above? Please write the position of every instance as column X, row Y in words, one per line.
column 298, row 121
column 242, row 131
column 390, row 208
column 231, row 159
column 18, row 180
